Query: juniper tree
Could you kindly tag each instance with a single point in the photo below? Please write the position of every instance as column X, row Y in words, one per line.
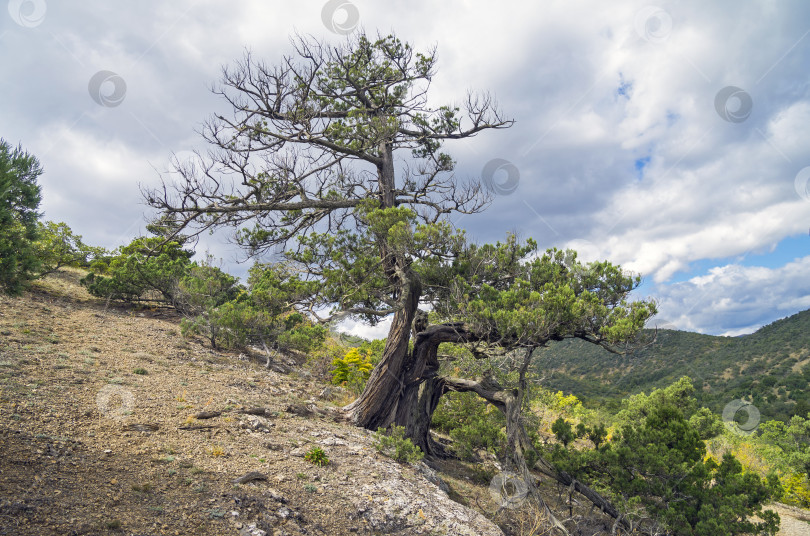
column 19, row 200
column 307, row 161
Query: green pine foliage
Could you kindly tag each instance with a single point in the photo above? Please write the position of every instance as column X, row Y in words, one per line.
column 471, row 422
column 656, row 465
column 394, row 444
column 146, row 268
column 262, row 314
column 793, row 439
column 199, row 294
column 57, row 246
column 19, row 201
column 563, row 431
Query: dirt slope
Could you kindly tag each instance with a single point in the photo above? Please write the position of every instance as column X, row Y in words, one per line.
column 98, row 434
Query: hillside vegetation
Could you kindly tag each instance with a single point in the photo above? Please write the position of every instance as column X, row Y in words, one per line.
column 769, row 368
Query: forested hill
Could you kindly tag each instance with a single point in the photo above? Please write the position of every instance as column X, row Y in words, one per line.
column 770, row 367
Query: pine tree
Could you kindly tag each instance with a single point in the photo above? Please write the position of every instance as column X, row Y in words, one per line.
column 19, row 200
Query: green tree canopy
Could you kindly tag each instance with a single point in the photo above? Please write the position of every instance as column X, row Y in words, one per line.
column 19, row 201
column 147, row 264
column 657, row 460
column 57, row 246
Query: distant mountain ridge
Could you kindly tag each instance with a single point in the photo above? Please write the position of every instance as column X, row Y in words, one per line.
column 770, row 367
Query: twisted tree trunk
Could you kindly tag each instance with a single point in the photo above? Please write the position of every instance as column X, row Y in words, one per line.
column 377, row 406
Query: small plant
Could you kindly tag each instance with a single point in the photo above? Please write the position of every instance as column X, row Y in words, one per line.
column 139, row 370
column 217, row 451
column 352, row 370
column 564, row 431
column 317, row 456
column 113, row 525
column 395, row 445
column 311, row 488
column 301, row 476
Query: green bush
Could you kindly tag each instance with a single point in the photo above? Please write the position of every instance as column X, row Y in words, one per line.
column 563, row 431
column 659, row 462
column 20, row 196
column 198, row 295
column 234, row 317
column 57, row 246
column 471, row 422
column 352, row 370
column 146, row 265
column 317, row 456
column 394, row 444
column 596, row 434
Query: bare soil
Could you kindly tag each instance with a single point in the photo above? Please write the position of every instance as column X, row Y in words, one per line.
column 98, row 434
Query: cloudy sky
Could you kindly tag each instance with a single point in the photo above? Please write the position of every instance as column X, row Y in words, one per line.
column 670, row 137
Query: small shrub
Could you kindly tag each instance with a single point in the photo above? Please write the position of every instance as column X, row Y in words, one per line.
column 317, row 456
column 311, row 488
column 352, row 370
column 395, row 445
column 563, row 430
column 597, row 434
column 141, row 371
column 471, row 423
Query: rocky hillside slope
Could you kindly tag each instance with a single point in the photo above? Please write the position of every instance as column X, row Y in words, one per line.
column 99, row 436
